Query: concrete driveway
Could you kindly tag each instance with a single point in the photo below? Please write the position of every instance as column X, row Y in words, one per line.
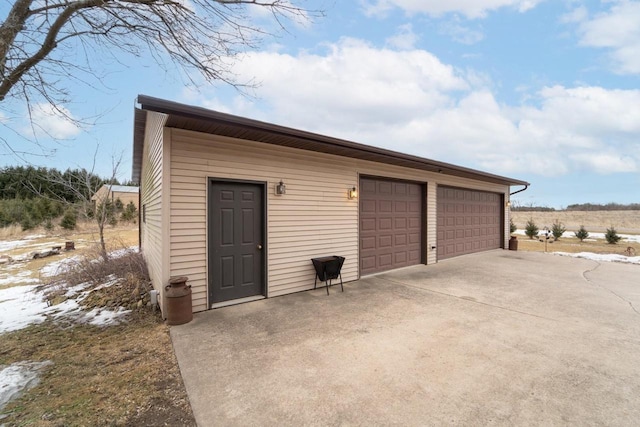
column 499, row 338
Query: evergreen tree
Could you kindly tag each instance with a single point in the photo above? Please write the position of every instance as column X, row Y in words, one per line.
column 582, row 233
column 512, row 226
column 611, row 236
column 531, row 229
column 557, row 229
column 69, row 219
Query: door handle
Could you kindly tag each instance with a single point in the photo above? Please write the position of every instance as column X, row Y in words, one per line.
column 259, row 247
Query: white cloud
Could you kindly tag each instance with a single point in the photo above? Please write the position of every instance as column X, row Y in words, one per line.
column 461, row 33
column 469, row 8
column 618, row 31
column 579, row 14
column 412, row 102
column 404, row 39
column 56, row 122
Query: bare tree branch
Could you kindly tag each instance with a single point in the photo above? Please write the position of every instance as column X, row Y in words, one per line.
column 40, row 41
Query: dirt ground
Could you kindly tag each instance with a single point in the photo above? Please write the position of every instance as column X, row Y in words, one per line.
column 626, row 222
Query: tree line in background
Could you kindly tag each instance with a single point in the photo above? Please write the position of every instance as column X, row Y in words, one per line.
column 579, row 207
column 32, row 196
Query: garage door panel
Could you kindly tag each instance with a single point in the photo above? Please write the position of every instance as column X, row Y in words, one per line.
column 368, row 224
column 385, row 241
column 368, row 206
column 400, row 189
column 384, row 187
column 400, row 257
column 468, row 221
column 400, row 239
column 385, row 260
column 368, row 262
column 368, row 243
column 395, row 225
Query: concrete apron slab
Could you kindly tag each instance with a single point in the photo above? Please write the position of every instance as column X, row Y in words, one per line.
column 493, row 338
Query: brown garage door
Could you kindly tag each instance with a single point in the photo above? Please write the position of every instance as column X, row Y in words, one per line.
column 468, row 221
column 390, row 224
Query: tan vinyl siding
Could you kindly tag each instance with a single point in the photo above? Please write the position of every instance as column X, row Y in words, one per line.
column 152, row 243
column 314, row 218
column 126, row 198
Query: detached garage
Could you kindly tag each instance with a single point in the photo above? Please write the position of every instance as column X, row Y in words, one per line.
column 241, row 206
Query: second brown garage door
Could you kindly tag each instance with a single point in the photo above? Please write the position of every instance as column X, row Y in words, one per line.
column 468, row 221
column 391, row 224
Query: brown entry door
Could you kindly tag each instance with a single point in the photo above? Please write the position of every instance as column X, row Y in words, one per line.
column 236, row 240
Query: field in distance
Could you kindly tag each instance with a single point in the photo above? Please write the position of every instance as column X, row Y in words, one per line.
column 625, row 222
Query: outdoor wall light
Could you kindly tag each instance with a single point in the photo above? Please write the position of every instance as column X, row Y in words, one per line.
column 353, row 193
column 281, row 188
column 509, row 204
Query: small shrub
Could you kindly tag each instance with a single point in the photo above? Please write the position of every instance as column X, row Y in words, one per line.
column 92, row 268
column 557, row 229
column 48, row 225
column 129, row 213
column 27, row 223
column 512, row 226
column 582, row 233
column 69, row 220
column 611, row 236
column 531, row 229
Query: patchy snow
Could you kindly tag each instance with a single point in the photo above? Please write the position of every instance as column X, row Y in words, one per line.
column 119, row 253
column 602, row 257
column 21, row 306
column 59, row 267
column 631, row 238
column 17, row 378
column 20, row 278
column 23, row 299
column 34, row 236
column 8, row 245
column 102, row 317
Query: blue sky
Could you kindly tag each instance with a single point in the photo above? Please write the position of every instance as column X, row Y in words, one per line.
column 546, row 91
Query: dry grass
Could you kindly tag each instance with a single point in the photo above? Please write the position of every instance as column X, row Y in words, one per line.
column 626, row 222
column 573, row 245
column 86, row 244
column 124, row 375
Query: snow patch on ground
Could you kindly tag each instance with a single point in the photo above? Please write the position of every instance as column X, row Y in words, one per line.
column 602, row 257
column 119, row 253
column 59, row 267
column 20, row 278
column 21, row 306
column 8, row 245
column 19, row 377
